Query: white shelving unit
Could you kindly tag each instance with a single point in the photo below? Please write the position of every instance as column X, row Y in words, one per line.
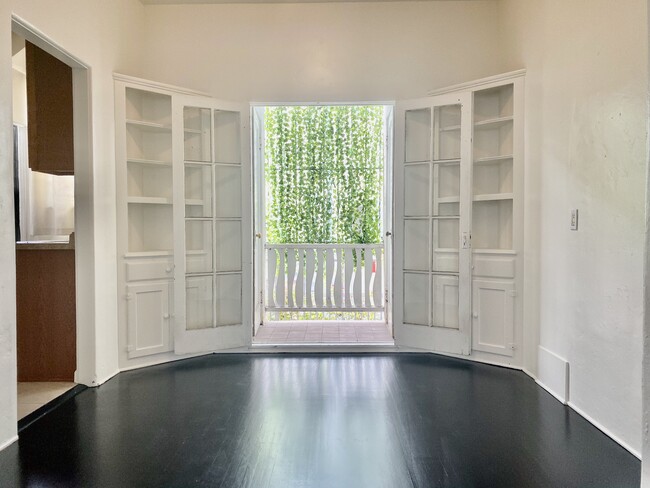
column 459, row 239
column 181, row 237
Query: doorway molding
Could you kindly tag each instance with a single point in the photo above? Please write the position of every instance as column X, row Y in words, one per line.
column 86, row 372
column 257, row 131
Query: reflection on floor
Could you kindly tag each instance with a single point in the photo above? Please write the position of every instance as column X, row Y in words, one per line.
column 317, row 421
column 34, row 395
column 329, row 332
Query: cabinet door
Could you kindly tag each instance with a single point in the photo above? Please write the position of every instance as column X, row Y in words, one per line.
column 432, row 255
column 212, row 248
column 148, row 318
column 49, row 112
column 493, row 316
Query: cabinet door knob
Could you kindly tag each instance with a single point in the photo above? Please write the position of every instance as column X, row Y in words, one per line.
column 165, row 316
column 475, row 315
column 168, row 270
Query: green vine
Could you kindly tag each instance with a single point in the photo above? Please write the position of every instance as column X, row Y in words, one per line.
column 324, row 169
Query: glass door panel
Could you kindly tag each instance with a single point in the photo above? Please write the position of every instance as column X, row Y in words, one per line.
column 445, row 301
column 418, row 135
column 208, row 157
column 447, row 129
column 199, row 309
column 446, row 200
column 227, row 191
column 435, row 272
column 198, row 190
column 228, row 245
column 227, row 145
column 196, row 133
column 228, row 299
column 198, row 246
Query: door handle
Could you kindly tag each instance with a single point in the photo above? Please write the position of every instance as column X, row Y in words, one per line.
column 258, row 235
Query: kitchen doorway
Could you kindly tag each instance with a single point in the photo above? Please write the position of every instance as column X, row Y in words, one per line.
column 54, row 225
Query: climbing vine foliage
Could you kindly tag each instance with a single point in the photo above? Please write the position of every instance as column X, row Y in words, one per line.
column 324, row 174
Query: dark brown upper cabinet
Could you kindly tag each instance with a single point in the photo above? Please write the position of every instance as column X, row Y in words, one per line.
column 49, row 113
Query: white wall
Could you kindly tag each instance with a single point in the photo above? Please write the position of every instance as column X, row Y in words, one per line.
column 7, row 247
column 585, row 140
column 586, row 149
column 321, row 52
column 102, row 35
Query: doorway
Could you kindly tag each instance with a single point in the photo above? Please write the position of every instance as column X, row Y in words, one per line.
column 54, row 224
column 322, row 183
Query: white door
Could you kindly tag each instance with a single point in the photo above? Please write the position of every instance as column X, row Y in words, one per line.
column 212, row 248
column 432, row 243
column 257, row 117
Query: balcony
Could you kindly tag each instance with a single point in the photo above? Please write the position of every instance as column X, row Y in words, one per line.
column 324, row 278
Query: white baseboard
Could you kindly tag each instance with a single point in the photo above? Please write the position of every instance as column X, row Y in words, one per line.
column 551, row 392
column 531, row 374
column 103, row 380
column 553, row 374
column 9, row 442
column 606, row 431
column 156, row 362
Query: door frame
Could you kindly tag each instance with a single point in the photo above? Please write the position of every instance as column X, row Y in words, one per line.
column 86, row 347
column 259, row 202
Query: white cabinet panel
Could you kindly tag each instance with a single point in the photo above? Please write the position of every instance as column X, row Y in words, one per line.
column 493, row 316
column 486, row 266
column 153, row 269
column 148, row 318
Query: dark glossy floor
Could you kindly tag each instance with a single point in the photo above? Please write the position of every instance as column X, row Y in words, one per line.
column 408, row 420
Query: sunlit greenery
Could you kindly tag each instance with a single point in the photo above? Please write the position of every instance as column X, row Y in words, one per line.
column 324, row 174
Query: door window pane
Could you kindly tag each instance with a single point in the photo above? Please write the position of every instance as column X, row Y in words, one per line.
column 196, row 126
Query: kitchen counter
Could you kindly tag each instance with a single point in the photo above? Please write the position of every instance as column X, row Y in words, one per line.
column 44, row 245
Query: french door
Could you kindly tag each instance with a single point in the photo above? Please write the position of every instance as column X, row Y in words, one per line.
column 212, row 248
column 432, row 241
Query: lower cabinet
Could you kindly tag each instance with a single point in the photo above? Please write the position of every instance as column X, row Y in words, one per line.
column 493, row 311
column 149, row 318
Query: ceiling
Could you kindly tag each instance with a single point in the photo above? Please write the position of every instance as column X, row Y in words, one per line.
column 187, row 2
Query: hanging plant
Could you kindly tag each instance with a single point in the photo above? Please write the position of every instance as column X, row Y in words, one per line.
column 324, row 169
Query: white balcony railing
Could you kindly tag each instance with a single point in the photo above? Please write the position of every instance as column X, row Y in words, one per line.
column 324, row 277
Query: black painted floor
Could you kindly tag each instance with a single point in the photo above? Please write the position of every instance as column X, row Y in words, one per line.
column 395, row 420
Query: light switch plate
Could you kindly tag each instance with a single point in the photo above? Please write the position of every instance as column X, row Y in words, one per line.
column 574, row 219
